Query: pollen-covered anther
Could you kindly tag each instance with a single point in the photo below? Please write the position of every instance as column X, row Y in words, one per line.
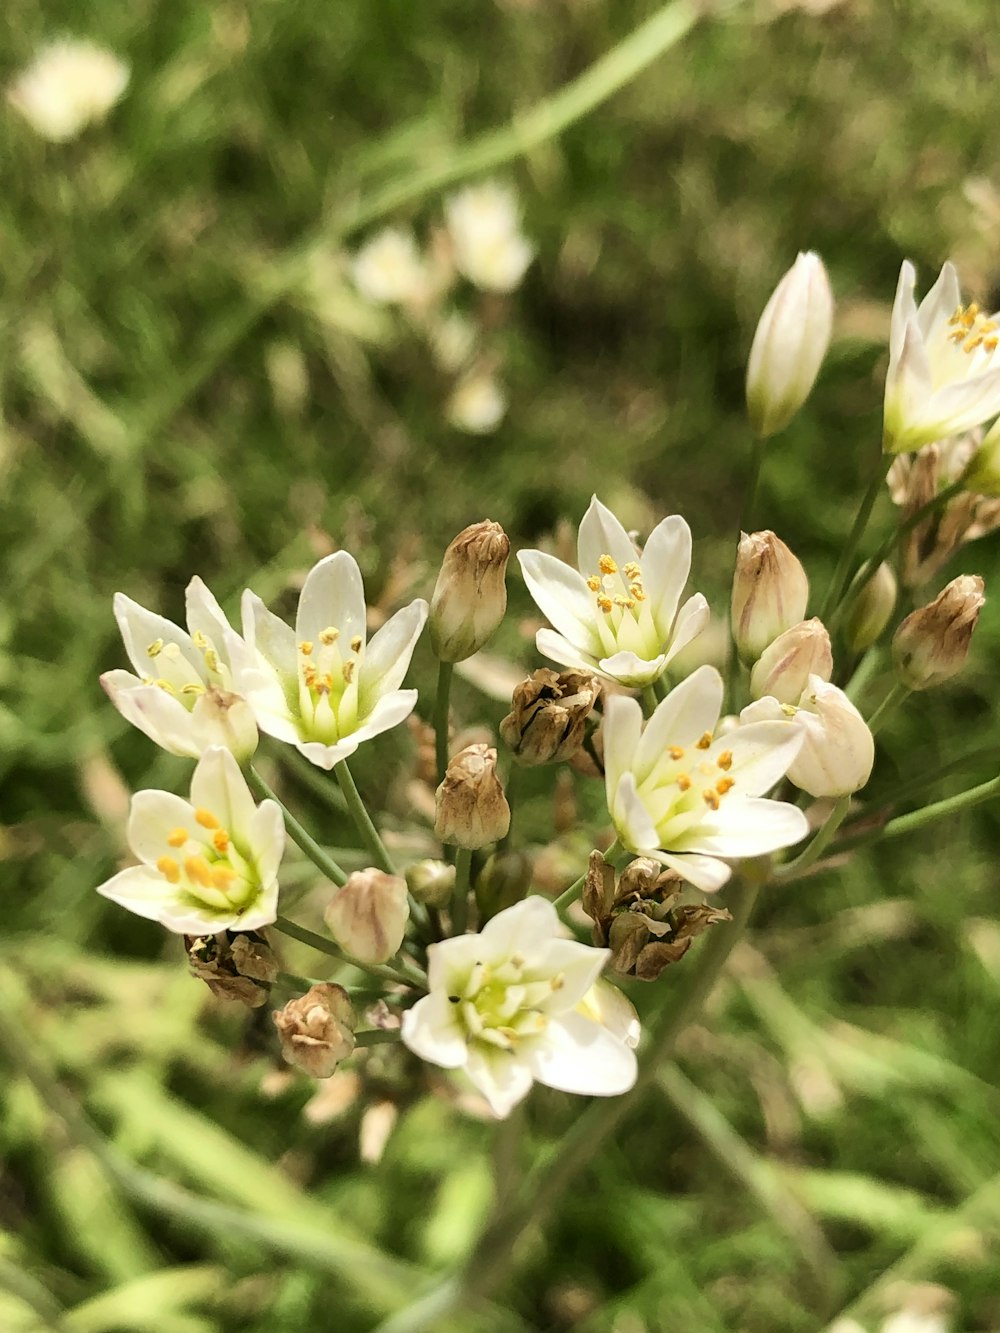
column 169, row 869
column 605, row 604
column 155, row 648
column 725, row 760
column 637, row 591
column 683, row 781
column 356, row 643
column 704, row 741
column 632, row 570
column 206, row 819
column 164, row 685
column 625, row 602
column 220, row 841
column 558, row 981
column 606, row 565
column 212, row 659
column 676, row 752
column 222, row 877
column 970, row 329
column 177, row 837
column 197, row 868
column 306, row 647
column 711, row 797
column 789, row 710
column 329, row 636
column 193, row 687
column 311, row 676
column 348, row 671
column 725, row 784
column 594, row 583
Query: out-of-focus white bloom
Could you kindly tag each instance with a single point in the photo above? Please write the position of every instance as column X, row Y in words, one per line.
column 478, row 404
column 452, row 340
column 389, row 269
column 789, row 345
column 484, row 222
column 69, row 85
column 184, row 697
column 686, row 799
column 208, row 864
column 944, row 372
column 514, row 1004
column 838, row 750
column 619, row 613
column 322, row 687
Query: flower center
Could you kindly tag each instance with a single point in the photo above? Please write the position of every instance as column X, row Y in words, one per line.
column 970, row 329
column 188, row 691
column 203, row 866
column 500, row 1007
column 683, row 786
column 614, row 587
column 328, row 681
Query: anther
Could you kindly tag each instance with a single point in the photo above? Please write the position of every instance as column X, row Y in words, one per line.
column 220, row 841
column 637, row 591
column 199, row 640
column 594, row 583
column 198, row 869
column 329, row 635
column 676, row 752
column 193, row 687
column 711, row 798
column 705, row 741
column 155, row 648
column 169, row 869
column 725, row 760
column 348, row 671
column 632, row 570
column 177, row 837
column 205, row 818
column 606, row 565
column 725, row 784
column 356, row 643
column 604, row 604
column 212, row 659
column 683, row 781
column 165, row 685
column 222, row 877
column 306, row 647
column 990, row 344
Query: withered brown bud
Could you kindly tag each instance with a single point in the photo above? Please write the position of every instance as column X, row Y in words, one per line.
column 368, row 915
column 234, row 967
column 470, row 596
column 431, row 882
column 317, row 1029
column 472, row 810
column 932, row 644
column 639, row 916
column 548, row 720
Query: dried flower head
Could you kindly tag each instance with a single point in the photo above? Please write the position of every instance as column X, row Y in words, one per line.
column 470, row 595
column 317, row 1029
column 238, row 967
column 548, row 721
column 472, row 810
column 932, row 643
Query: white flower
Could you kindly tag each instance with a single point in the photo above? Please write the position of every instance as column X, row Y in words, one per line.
column 69, row 85
column 510, row 1006
column 789, row 345
column 619, row 615
column 944, row 372
column 321, row 686
column 183, row 698
column 686, row 799
column 485, row 226
column 389, row 270
column 477, row 405
column 208, row 865
column 838, row 750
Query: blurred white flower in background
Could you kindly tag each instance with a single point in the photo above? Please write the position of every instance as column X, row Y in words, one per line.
column 478, row 404
column 69, row 85
column 484, row 222
column 389, row 269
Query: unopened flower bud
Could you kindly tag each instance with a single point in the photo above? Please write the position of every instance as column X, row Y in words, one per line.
column 869, row 611
column 317, row 1029
column 784, row 667
column 368, row 915
column 238, row 967
column 931, row 645
column 789, row 345
column 431, row 882
column 470, row 596
column 770, row 592
column 549, row 717
column 472, row 810
column 838, row 750
column 503, row 881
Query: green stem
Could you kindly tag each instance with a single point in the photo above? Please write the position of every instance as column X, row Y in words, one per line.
column 821, row 840
column 304, row 840
column 895, row 697
column 441, row 717
column 375, row 1037
column 512, row 789
column 460, row 894
column 650, row 700
column 918, row 819
column 362, row 819
column 839, row 580
column 746, row 521
column 409, row 976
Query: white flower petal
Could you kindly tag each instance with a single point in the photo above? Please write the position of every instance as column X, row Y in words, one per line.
column 602, row 534
column 152, row 817
column 762, row 753
column 579, row 1055
column 704, row 872
column 621, row 730
column 142, row 891
column 941, row 302
column 431, row 1031
column 142, row 629
column 577, row 967
column 521, row 929
column 689, row 711
column 633, row 822
column 449, row 962
column 562, row 596
column 692, row 618
column 267, row 838
column 752, row 827
column 904, row 309
column 559, row 649
column 500, row 1077
column 666, row 565
column 205, row 614
column 163, row 718
column 333, row 596
column 326, row 756
column 270, row 637
column 387, row 657
column 628, row 669
column 219, row 787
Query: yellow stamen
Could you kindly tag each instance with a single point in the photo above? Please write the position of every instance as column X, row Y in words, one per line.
column 725, row 760
column 637, row 591
column 177, row 837
column 212, row 659
column 676, row 752
column 789, row 710
column 348, row 671
column 193, row 687
column 725, row 784
column 198, row 869
column 306, row 647
column 705, row 741
column 205, row 818
column 684, row 782
column 165, row 685
column 220, row 841
column 606, row 565
column 222, row 877
column 311, row 676
column 594, row 583
column 199, row 640
column 632, row 570
column 329, row 635
column 990, row 344
column 169, row 869
column 155, row 648
column 711, row 798
column 356, row 643
column 625, row 601
column 604, row 604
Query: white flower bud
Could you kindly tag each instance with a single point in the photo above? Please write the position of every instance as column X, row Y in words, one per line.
column 470, row 596
column 785, row 667
column 472, row 810
column 368, row 916
column 431, row 882
column 870, row 609
column 317, row 1029
column 789, row 345
column 838, row 750
column 770, row 592
column 932, row 644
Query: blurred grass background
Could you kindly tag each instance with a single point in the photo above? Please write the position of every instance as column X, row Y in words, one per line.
column 190, row 384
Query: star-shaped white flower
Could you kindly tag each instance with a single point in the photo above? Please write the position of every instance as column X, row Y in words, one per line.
column 183, row 698
column 208, row 864
column 322, row 687
column 944, row 371
column 514, row 1004
column 687, row 799
column 620, row 613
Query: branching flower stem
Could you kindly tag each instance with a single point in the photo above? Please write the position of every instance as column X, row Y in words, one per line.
column 918, row 819
column 299, row 835
column 460, row 894
column 441, row 717
column 838, row 583
column 745, row 525
column 404, row 973
column 362, row 819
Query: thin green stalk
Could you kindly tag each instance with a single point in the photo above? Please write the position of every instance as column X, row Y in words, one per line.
column 362, row 819
column 650, row 700
column 303, row 839
column 460, row 894
column 512, row 789
column 570, row 895
column 746, row 521
column 375, row 1037
column 409, row 976
column 442, row 716
column 918, row 819
column 895, row 697
column 839, row 580
column 821, row 840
